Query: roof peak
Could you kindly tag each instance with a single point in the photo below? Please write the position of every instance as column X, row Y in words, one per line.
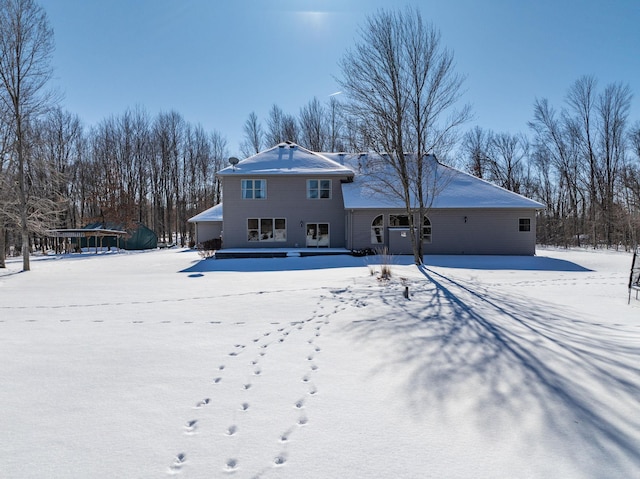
column 286, row 157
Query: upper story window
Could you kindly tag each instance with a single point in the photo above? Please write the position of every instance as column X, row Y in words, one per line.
column 524, row 224
column 318, row 189
column 254, row 189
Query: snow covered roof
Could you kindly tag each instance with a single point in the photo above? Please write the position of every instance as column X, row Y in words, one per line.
column 287, row 159
column 212, row 214
column 451, row 188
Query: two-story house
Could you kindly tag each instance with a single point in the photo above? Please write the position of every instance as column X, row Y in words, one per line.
column 290, row 197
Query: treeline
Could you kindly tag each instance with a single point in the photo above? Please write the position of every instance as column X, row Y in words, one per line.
column 129, row 168
column 581, row 159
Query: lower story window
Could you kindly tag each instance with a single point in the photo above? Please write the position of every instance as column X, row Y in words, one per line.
column 398, row 220
column 524, row 224
column 266, row 229
column 426, row 230
column 377, row 230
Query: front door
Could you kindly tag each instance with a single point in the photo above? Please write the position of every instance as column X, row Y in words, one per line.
column 317, row 235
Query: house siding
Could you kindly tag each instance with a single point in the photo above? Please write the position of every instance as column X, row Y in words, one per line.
column 486, row 231
column 286, row 198
column 207, row 230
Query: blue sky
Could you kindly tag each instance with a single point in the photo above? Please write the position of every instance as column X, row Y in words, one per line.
column 216, row 61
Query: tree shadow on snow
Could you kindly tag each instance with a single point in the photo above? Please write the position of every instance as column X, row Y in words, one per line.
column 250, row 265
column 531, row 365
column 523, row 263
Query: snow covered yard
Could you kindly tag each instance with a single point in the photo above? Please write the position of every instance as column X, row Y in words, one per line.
column 159, row 363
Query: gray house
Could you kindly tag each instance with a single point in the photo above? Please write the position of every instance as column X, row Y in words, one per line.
column 290, row 197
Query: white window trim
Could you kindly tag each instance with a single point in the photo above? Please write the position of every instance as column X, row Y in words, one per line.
column 430, row 235
column 375, row 233
column 253, row 189
column 274, row 238
column 319, row 189
column 520, row 230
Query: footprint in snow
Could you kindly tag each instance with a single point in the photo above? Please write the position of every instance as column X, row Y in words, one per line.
column 231, row 465
column 246, row 386
column 244, row 406
column 303, row 420
column 280, row 460
column 284, row 437
column 178, row 462
column 190, row 426
column 299, row 404
column 202, row 403
column 217, row 380
column 231, row 430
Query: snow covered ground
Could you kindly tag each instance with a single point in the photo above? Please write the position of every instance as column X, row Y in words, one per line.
column 156, row 364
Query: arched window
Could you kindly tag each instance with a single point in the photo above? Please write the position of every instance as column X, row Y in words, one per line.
column 377, row 230
column 426, row 230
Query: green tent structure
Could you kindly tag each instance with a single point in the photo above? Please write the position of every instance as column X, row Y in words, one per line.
column 138, row 238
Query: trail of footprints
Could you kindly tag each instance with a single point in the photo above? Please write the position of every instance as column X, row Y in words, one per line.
column 262, row 343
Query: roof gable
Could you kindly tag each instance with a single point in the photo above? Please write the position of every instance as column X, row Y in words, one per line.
column 287, row 159
column 212, row 214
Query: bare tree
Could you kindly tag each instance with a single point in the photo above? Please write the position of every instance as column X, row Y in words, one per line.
column 26, row 48
column 7, row 190
column 253, row 136
column 475, row 146
column 402, row 86
column 613, row 109
column 581, row 100
column 507, row 157
column 313, row 126
column 335, row 125
column 275, row 126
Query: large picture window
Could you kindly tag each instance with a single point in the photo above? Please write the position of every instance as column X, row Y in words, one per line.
column 318, row 189
column 266, row 229
column 254, row 189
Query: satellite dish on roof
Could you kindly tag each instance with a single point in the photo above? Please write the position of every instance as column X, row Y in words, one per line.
column 233, row 161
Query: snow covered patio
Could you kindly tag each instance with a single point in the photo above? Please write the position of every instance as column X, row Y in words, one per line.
column 156, row 364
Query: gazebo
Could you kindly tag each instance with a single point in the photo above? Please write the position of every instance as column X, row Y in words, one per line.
column 97, row 233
